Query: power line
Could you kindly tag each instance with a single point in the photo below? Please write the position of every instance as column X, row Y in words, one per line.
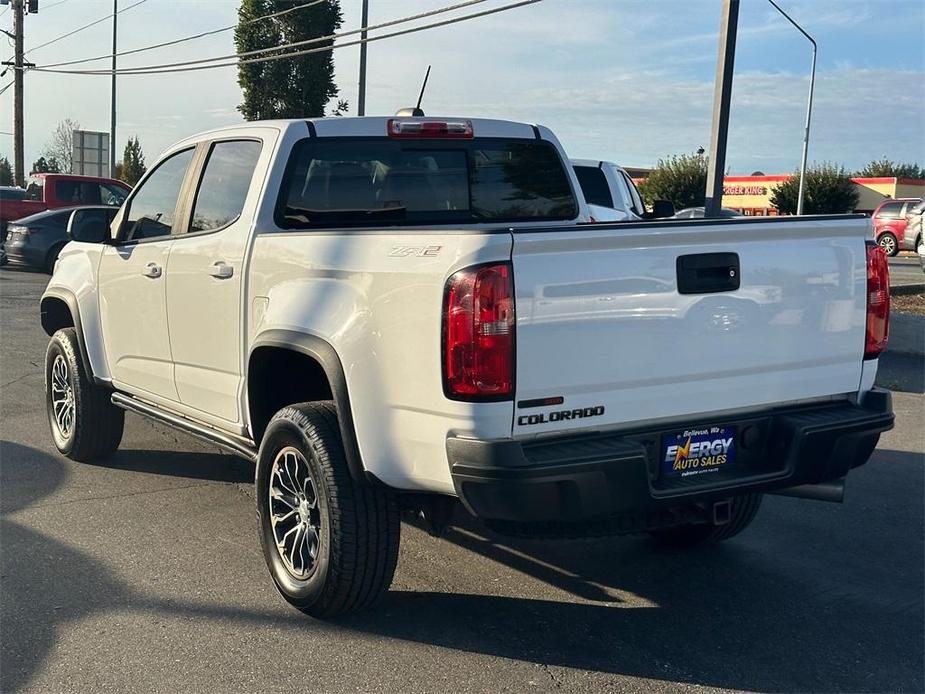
column 186, row 38
column 194, row 65
column 54, row 4
column 5, row 87
column 85, row 26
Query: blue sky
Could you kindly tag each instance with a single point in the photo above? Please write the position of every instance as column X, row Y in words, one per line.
column 624, row 80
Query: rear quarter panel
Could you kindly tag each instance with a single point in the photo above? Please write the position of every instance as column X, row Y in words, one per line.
column 377, row 298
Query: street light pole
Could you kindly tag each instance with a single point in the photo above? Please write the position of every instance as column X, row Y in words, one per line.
column 112, row 98
column 809, row 106
column 722, row 98
column 361, row 100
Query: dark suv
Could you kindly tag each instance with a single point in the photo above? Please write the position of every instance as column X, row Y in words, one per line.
column 890, row 223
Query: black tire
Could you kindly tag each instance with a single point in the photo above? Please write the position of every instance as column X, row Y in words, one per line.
column 887, row 241
column 744, row 509
column 356, row 525
column 52, row 257
column 95, row 428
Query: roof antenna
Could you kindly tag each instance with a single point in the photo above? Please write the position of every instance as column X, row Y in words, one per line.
column 416, row 112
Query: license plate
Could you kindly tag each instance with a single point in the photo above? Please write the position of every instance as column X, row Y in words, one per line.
column 698, row 451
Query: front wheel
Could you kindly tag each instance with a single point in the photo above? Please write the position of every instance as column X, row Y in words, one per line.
column 330, row 543
column 888, row 243
column 85, row 425
column 743, row 511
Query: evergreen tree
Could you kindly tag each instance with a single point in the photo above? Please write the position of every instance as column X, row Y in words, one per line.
column 133, row 162
column 6, row 172
column 297, row 87
column 43, row 165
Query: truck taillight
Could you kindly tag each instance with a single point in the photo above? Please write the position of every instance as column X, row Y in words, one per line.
column 878, row 301
column 478, row 334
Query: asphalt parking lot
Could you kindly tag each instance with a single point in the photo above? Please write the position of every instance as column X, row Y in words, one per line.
column 906, row 270
column 146, row 575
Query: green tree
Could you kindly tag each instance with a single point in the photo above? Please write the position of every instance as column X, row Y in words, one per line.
column 297, row 87
column 6, row 172
column 887, row 168
column 133, row 162
column 43, row 165
column 828, row 190
column 682, row 179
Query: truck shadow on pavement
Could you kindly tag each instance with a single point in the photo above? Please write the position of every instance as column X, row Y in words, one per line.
column 727, row 616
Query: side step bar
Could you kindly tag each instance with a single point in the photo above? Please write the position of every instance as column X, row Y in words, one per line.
column 229, row 442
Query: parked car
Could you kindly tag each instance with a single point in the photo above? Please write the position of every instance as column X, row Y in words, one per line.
column 609, row 191
column 340, row 297
column 890, row 222
column 912, row 236
column 53, row 191
column 695, row 212
column 35, row 241
column 921, row 251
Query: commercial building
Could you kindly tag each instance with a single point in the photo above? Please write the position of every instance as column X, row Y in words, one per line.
column 751, row 195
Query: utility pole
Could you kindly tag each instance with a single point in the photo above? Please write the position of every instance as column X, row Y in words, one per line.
column 19, row 165
column 361, row 100
column 112, row 99
column 722, row 97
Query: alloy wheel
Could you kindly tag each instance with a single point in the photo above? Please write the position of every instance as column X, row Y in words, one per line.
column 295, row 516
column 62, row 397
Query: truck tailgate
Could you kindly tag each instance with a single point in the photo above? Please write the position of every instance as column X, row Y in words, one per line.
column 602, row 325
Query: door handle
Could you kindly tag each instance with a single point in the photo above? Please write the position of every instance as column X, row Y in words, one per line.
column 152, row 270
column 221, row 270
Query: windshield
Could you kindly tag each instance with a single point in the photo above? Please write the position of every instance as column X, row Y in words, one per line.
column 355, row 182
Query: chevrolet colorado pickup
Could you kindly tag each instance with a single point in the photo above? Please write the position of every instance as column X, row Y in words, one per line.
column 396, row 313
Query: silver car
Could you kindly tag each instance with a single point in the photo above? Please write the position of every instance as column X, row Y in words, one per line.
column 912, row 236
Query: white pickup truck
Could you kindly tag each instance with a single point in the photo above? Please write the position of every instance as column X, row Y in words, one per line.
column 609, row 191
column 389, row 313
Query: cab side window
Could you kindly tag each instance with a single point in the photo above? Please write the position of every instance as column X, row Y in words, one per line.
column 224, row 185
column 153, row 209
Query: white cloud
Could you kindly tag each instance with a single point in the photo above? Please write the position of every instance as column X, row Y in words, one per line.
column 631, row 81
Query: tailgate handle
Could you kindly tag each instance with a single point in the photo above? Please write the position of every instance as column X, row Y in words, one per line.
column 708, row 273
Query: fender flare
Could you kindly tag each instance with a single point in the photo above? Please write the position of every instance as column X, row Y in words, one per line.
column 70, row 300
column 322, row 352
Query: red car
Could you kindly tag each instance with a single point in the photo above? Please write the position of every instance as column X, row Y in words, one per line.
column 51, row 191
column 890, row 222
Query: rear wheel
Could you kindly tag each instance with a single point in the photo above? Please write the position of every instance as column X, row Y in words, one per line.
column 331, row 544
column 742, row 513
column 85, row 425
column 888, row 243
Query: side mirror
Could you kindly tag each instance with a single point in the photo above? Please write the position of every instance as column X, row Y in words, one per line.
column 662, row 209
column 89, row 226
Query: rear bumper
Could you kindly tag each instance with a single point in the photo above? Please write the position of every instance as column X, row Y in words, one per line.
column 20, row 252
column 596, row 476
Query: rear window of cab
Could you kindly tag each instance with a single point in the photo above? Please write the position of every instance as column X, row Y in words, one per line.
column 343, row 182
